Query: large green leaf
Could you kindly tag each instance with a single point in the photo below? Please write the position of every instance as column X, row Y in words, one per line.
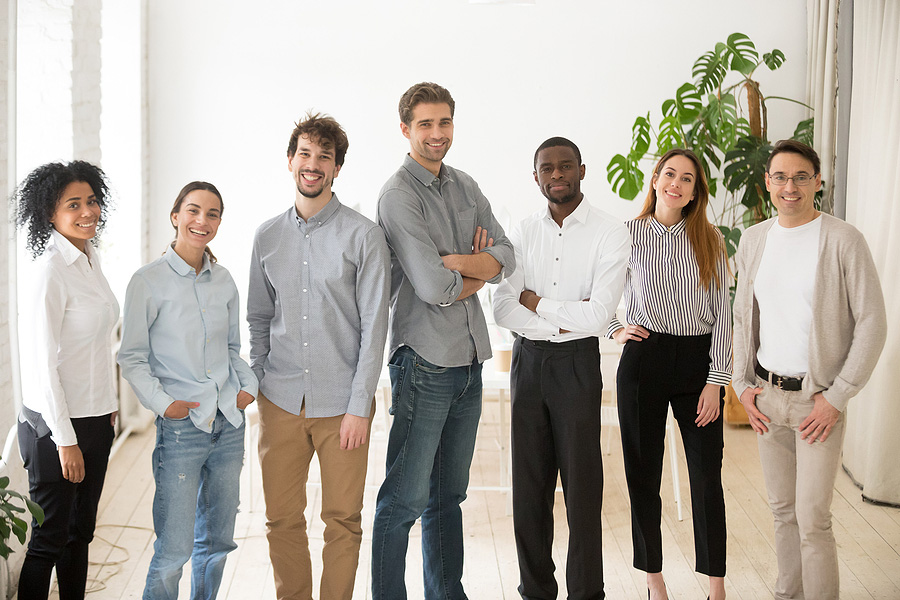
column 625, row 176
column 744, row 174
column 722, row 120
column 640, row 139
column 741, row 53
column 709, row 71
column 774, row 59
column 688, row 101
column 669, row 135
column 732, row 238
column 804, row 132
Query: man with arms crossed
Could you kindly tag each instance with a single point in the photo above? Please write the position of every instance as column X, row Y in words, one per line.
column 809, row 325
column 317, row 310
column 570, row 274
column 445, row 243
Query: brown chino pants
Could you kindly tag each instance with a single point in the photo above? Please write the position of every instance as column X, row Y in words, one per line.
column 287, row 443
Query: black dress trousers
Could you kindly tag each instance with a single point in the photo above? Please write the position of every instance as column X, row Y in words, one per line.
column 555, row 391
column 653, row 373
column 70, row 509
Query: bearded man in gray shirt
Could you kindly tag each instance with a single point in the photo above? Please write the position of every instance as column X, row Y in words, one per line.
column 445, row 244
column 317, row 310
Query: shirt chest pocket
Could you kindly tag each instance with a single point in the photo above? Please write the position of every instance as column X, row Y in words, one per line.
column 465, row 230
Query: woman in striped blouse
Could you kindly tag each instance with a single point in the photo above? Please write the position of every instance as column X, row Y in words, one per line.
column 677, row 351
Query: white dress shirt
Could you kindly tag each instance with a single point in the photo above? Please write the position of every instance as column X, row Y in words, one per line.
column 578, row 270
column 68, row 370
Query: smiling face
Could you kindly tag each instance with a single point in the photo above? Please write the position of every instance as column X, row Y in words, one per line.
column 674, row 185
column 558, row 174
column 77, row 214
column 197, row 221
column 795, row 203
column 313, row 167
column 430, row 134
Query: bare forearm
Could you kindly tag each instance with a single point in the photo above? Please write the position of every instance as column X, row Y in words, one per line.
column 470, row 286
column 477, row 266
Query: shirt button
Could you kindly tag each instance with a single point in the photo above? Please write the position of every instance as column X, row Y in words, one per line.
column 207, row 340
column 557, row 260
column 307, row 235
column 208, row 371
column 554, row 283
column 306, row 370
column 304, row 289
column 305, row 263
column 306, row 343
column 304, row 317
column 560, row 235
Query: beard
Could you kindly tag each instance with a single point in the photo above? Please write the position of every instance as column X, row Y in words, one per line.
column 314, row 192
column 574, row 195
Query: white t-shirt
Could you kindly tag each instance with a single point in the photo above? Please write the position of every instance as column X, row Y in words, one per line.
column 784, row 288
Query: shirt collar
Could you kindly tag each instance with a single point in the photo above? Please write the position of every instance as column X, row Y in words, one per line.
column 323, row 215
column 423, row 175
column 661, row 229
column 580, row 214
column 68, row 250
column 181, row 267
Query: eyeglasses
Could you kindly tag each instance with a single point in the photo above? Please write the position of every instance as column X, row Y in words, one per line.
column 780, row 179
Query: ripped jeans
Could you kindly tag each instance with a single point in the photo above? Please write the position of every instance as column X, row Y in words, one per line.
column 197, row 478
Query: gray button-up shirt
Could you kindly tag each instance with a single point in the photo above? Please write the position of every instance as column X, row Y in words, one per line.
column 317, row 309
column 424, row 218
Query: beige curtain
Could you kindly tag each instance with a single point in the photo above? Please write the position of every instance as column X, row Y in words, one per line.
column 872, row 445
column 822, row 85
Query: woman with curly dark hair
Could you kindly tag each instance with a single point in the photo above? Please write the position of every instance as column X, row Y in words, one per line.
column 66, row 428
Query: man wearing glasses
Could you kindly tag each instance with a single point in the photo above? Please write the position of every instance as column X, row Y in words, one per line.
column 809, row 326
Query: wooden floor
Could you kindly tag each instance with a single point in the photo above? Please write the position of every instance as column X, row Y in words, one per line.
column 868, row 536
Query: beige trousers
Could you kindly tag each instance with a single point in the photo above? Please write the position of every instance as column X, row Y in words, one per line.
column 286, row 446
column 800, row 483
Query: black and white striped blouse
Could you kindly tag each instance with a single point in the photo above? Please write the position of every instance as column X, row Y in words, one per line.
column 663, row 292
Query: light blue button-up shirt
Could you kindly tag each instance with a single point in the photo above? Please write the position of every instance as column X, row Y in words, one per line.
column 181, row 340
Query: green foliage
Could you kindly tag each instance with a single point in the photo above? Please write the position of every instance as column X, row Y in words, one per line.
column 10, row 521
column 721, row 116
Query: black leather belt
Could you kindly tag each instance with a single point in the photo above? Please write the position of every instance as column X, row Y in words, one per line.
column 788, row 384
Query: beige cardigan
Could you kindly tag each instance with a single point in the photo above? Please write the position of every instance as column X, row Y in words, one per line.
column 848, row 327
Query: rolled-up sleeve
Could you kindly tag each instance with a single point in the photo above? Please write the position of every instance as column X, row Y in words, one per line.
column 503, row 250
column 403, row 221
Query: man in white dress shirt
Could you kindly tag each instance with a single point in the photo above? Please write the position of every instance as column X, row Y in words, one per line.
column 569, row 277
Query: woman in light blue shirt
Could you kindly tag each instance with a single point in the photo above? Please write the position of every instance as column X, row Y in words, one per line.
column 181, row 354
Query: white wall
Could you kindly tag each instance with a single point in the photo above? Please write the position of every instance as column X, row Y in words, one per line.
column 227, row 80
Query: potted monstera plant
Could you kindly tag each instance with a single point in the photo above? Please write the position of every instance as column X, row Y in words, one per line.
column 722, row 115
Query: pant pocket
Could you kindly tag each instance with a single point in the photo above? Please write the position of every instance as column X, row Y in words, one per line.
column 396, row 373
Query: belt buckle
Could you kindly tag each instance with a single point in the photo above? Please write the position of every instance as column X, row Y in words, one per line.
column 776, row 380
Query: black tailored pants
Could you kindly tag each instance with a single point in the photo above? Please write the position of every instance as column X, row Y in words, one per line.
column 70, row 509
column 555, row 391
column 653, row 373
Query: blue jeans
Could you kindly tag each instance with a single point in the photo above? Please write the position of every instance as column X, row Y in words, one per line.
column 197, row 478
column 436, row 411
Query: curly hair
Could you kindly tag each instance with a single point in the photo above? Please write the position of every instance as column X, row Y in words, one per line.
column 36, row 198
column 323, row 130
